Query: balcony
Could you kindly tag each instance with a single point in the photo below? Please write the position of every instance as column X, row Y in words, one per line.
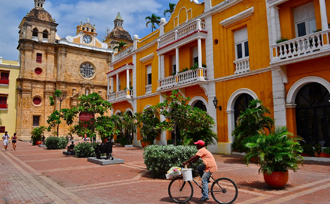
column 148, row 89
column 183, row 79
column 242, row 66
column 4, row 81
column 120, row 96
column 302, row 48
column 122, row 54
column 189, row 31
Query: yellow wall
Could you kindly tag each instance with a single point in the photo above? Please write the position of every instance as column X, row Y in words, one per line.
column 263, row 89
column 179, row 13
column 8, row 117
column 224, row 51
column 141, row 73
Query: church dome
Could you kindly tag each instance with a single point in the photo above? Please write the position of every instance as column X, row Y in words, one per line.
column 41, row 14
column 120, row 33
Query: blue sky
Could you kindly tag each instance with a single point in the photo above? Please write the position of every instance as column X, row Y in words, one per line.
column 69, row 13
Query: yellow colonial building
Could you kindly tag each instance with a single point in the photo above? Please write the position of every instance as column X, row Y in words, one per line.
column 233, row 51
column 9, row 71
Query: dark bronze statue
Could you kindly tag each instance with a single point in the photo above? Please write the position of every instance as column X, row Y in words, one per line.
column 71, row 147
column 104, row 148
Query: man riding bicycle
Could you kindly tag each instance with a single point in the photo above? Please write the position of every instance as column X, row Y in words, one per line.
column 206, row 169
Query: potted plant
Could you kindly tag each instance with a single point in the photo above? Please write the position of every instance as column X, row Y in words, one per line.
column 148, row 121
column 37, row 134
column 308, row 150
column 326, row 152
column 275, row 153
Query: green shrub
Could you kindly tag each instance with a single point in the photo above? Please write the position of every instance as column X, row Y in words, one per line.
column 308, row 149
column 56, row 142
column 160, row 158
column 326, row 150
column 85, row 149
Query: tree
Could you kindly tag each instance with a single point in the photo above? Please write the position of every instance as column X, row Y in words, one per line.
column 193, row 123
column 106, row 126
column 251, row 122
column 128, row 127
column 170, row 9
column 153, row 19
column 148, row 123
column 55, row 118
column 120, row 45
column 92, row 104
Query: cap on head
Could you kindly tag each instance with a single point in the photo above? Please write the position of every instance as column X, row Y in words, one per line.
column 6, row 132
column 200, row 142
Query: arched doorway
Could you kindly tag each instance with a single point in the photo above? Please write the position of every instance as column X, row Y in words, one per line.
column 313, row 114
column 200, row 104
column 241, row 104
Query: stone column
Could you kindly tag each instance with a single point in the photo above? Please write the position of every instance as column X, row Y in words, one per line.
column 177, row 59
column 199, row 41
column 117, row 84
column 324, row 19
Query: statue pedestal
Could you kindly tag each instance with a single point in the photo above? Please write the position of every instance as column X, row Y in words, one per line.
column 104, row 161
column 69, row 153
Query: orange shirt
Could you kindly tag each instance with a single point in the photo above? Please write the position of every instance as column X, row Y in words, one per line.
column 208, row 159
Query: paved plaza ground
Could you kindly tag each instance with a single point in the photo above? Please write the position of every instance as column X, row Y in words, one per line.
column 33, row 174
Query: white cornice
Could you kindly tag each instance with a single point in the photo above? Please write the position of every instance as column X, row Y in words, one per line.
column 120, row 69
column 237, row 17
column 146, row 58
column 9, row 66
column 275, row 2
column 66, row 42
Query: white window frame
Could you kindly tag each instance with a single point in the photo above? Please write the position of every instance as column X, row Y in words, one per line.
column 174, row 64
column 149, row 71
column 241, row 36
column 302, row 16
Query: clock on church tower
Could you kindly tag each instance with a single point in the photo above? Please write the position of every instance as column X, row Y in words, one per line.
column 87, row 32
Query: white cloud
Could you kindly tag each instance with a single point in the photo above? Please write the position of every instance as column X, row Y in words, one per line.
column 69, row 13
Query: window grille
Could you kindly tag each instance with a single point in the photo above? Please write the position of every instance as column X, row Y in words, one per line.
column 87, row 70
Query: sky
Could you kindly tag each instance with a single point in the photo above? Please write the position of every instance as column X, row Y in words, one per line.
column 69, row 13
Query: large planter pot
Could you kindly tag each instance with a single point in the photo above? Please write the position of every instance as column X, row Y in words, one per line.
column 322, row 154
column 145, row 143
column 38, row 143
column 276, row 179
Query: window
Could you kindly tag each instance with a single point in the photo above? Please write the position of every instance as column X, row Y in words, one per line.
column 37, row 100
column 2, row 129
column 119, row 84
column 45, row 34
column 87, row 70
column 304, row 19
column 195, row 55
column 35, row 32
column 4, row 78
column 39, row 58
column 241, row 43
column 3, row 102
column 173, row 65
column 38, row 71
column 36, row 121
column 149, row 75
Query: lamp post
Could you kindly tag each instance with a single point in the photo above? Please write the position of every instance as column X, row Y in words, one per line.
column 215, row 103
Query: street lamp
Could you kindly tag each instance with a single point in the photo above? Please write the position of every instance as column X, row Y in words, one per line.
column 215, row 103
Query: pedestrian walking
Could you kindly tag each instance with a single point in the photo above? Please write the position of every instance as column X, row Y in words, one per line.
column 14, row 140
column 5, row 138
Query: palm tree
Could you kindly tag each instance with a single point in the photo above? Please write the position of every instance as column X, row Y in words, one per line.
column 152, row 19
column 170, row 10
column 120, row 45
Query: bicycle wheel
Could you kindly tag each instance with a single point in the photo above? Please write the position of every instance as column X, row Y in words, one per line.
column 180, row 191
column 224, row 191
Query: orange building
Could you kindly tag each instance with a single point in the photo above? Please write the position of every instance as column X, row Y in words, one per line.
column 227, row 50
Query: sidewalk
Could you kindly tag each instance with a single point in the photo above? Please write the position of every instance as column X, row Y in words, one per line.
column 35, row 175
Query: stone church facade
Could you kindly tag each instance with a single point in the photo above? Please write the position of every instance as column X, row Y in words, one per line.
column 75, row 65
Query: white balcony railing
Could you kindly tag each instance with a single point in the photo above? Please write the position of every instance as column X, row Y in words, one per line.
column 242, row 66
column 120, row 95
column 123, row 53
column 183, row 78
column 300, row 47
column 181, row 32
column 148, row 89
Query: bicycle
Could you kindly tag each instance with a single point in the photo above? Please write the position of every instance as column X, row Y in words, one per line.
column 223, row 190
